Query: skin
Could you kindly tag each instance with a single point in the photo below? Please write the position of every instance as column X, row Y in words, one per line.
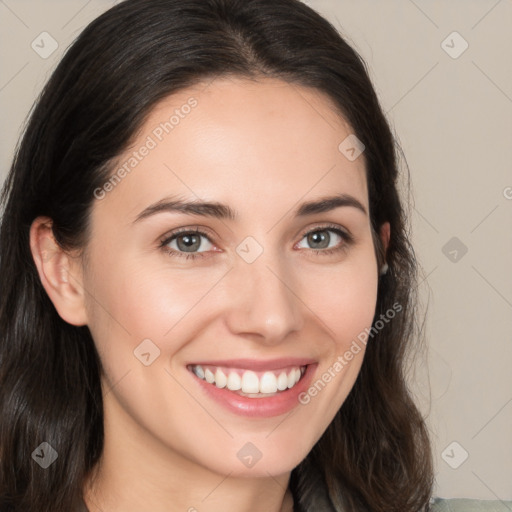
column 262, row 147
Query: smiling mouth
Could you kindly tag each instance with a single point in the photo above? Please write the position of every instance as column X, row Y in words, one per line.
column 248, row 383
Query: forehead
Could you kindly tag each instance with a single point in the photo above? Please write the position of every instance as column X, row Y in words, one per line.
column 239, row 141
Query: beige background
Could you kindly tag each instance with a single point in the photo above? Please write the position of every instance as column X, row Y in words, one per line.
column 453, row 117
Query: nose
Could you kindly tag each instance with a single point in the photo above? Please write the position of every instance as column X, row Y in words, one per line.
column 264, row 302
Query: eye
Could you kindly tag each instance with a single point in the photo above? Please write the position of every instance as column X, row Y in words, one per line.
column 326, row 239
column 194, row 243
column 186, row 243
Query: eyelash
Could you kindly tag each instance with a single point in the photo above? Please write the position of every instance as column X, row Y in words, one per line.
column 347, row 241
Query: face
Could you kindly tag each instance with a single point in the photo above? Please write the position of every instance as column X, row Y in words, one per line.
column 270, row 282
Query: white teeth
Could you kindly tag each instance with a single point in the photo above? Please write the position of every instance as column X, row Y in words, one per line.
column 269, row 383
column 208, row 376
column 198, row 370
column 282, row 381
column 220, row 379
column 234, row 381
column 291, row 379
column 250, row 382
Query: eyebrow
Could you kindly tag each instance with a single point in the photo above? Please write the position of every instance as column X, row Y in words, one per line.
column 223, row 211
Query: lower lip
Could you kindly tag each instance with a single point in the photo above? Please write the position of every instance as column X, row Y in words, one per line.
column 266, row 407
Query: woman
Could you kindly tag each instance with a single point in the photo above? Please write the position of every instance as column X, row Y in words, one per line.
column 208, row 289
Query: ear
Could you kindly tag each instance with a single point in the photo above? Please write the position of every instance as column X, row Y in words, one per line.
column 60, row 273
column 385, row 232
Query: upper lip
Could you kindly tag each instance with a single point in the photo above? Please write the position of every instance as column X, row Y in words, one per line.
column 258, row 365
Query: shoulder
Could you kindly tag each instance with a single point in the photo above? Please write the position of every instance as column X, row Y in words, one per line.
column 468, row 505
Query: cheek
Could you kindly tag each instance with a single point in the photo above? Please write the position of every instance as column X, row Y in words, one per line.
column 345, row 303
column 134, row 302
column 344, row 299
column 147, row 299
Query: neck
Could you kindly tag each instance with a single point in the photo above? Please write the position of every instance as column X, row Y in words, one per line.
column 115, row 494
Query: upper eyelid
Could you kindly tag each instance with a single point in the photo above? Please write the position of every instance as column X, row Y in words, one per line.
column 181, row 231
column 327, row 227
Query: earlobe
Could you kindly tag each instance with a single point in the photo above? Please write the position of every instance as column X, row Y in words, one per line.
column 60, row 273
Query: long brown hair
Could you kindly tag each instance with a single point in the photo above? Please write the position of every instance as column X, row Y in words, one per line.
column 375, row 455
